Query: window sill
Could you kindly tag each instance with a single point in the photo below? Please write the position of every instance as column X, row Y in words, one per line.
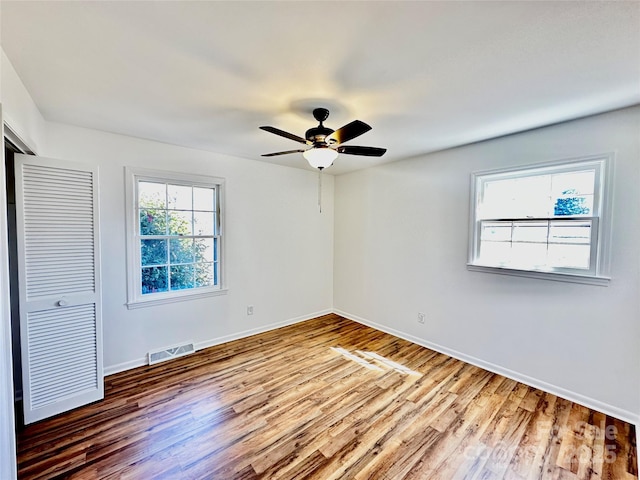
column 553, row 276
column 178, row 298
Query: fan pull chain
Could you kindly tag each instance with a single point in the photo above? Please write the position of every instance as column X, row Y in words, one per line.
column 320, row 190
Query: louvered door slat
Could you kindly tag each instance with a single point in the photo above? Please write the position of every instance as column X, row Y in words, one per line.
column 59, row 268
column 60, row 339
column 69, row 193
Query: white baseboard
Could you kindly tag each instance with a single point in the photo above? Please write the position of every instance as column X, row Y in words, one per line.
column 141, row 362
column 121, row 367
column 589, row 402
column 262, row 329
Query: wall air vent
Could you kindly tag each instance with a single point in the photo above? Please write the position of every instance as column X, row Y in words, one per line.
column 157, row 356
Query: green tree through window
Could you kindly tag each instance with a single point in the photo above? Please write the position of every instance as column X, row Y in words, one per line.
column 172, row 257
column 570, row 205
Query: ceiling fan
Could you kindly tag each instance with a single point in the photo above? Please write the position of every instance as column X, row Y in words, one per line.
column 326, row 143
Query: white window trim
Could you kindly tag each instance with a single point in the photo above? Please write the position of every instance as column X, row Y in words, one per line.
column 604, row 191
column 135, row 299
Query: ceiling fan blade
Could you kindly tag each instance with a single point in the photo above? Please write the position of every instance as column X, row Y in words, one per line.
column 284, row 134
column 366, row 151
column 348, row 132
column 281, row 153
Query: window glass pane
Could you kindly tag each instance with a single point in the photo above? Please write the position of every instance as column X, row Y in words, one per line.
column 532, row 197
column 496, row 232
column 179, row 222
column 528, row 255
column 204, row 274
column 572, row 204
column 179, row 197
column 573, row 232
column 181, row 250
column 153, row 222
column 569, row 256
column 517, row 197
column 530, row 232
column 181, row 277
column 152, row 195
column 581, row 183
column 495, row 253
column 153, row 252
column 204, row 223
column 573, row 192
column 204, row 250
column 203, row 199
column 154, row 280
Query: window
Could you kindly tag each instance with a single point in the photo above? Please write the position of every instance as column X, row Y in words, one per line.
column 174, row 236
column 545, row 221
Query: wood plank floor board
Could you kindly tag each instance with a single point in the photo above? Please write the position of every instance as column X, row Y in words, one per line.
column 325, row 399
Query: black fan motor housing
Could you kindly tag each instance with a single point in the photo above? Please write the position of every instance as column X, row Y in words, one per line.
column 318, row 134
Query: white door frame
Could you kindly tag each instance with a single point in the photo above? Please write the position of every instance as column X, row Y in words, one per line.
column 8, row 458
column 8, row 467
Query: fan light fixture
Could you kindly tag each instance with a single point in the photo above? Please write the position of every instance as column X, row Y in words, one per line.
column 320, row 157
column 325, row 142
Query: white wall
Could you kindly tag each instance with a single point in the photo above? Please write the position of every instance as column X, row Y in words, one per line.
column 20, row 111
column 401, row 236
column 279, row 248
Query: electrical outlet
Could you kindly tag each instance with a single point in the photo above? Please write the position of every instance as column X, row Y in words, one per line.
column 421, row 317
column 250, row 310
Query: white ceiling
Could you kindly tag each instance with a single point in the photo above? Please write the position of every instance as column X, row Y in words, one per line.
column 424, row 75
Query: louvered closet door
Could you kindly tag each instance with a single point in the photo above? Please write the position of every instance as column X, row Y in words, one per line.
column 59, row 271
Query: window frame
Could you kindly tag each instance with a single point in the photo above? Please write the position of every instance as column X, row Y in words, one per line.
column 598, row 271
column 135, row 298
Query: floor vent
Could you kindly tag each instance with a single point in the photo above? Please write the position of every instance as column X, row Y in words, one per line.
column 157, row 356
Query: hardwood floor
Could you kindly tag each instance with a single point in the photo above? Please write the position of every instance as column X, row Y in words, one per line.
column 325, row 399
